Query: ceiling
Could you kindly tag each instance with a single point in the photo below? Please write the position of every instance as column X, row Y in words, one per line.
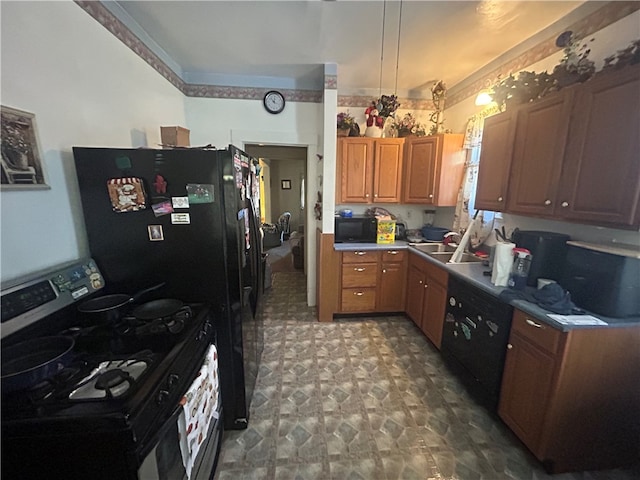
column 286, row 43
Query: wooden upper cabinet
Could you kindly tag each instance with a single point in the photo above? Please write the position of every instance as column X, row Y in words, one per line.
column 538, row 153
column 434, row 166
column 495, row 162
column 369, row 170
column 387, row 170
column 356, row 170
column 420, row 170
column 601, row 177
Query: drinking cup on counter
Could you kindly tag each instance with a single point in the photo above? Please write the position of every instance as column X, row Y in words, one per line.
column 544, row 281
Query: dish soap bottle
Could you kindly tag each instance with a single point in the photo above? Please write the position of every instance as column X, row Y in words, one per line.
column 520, row 268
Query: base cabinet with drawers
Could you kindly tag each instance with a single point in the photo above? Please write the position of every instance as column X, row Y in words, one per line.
column 573, row 398
column 373, row 281
column 427, row 297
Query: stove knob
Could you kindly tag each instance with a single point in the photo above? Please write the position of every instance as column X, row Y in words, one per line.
column 172, row 381
column 162, row 397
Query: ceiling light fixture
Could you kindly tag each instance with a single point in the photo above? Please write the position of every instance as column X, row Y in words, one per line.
column 484, row 97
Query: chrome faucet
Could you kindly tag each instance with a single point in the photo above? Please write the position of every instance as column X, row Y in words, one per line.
column 449, row 238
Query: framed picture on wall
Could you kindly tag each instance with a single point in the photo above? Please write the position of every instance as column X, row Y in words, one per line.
column 21, row 163
column 286, row 184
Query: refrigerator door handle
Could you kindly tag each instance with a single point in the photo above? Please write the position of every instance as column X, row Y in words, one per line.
column 246, row 295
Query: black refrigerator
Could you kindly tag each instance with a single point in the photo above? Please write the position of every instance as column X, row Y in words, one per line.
column 188, row 218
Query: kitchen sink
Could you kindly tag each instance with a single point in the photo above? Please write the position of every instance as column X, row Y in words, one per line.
column 443, row 253
column 444, row 257
column 433, row 247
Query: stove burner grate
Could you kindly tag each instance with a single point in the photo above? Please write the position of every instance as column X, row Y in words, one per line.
column 111, row 379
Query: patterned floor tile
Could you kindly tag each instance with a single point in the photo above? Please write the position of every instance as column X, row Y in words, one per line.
column 366, row 398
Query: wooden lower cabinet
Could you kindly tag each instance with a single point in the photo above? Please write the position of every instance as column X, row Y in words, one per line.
column 373, row 281
column 392, row 281
column 427, row 297
column 571, row 397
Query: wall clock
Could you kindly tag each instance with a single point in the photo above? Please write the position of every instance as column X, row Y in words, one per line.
column 274, row 101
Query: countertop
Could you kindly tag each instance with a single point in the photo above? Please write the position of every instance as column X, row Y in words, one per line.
column 473, row 273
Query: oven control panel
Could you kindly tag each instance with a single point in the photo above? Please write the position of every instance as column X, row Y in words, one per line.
column 34, row 297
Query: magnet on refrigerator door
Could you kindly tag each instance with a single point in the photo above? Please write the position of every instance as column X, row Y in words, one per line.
column 180, row 218
column 198, row 193
column 126, row 194
column 180, row 202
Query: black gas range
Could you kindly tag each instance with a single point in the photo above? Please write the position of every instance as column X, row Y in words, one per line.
column 117, row 402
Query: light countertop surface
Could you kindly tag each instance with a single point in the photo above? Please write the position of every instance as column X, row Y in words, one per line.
column 473, row 273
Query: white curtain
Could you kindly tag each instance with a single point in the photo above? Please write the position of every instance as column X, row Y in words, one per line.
column 465, row 206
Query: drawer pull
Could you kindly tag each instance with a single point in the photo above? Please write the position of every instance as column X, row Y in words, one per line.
column 533, row 324
column 384, row 271
column 392, row 252
column 360, row 253
column 359, row 294
column 359, row 269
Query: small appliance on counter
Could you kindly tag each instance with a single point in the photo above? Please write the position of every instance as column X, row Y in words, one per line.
column 401, row 231
column 603, row 279
column 355, row 229
column 520, row 269
column 548, row 250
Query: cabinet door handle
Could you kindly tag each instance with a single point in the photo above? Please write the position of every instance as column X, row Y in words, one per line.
column 499, row 199
column 420, row 282
column 384, row 271
column 547, row 202
column 375, row 195
column 359, row 294
column 360, row 253
column 431, row 195
column 426, row 285
column 509, row 346
column 565, row 204
column 359, row 269
column 366, row 195
column 533, row 324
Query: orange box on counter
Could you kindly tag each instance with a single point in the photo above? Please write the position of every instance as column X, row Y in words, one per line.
column 386, row 231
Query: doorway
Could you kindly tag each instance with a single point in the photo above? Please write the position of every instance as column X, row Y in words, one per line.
column 283, row 204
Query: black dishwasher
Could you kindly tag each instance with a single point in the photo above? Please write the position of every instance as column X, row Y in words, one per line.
column 474, row 339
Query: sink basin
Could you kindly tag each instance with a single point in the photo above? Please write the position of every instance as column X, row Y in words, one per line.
column 444, row 257
column 434, row 247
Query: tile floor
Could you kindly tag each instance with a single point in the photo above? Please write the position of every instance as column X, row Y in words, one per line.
column 365, row 399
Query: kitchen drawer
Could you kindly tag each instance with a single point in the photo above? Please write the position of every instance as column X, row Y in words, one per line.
column 537, row 332
column 360, row 256
column 359, row 275
column 358, row 299
column 393, row 255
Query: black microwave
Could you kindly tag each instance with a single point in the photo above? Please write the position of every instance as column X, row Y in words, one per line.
column 356, row 229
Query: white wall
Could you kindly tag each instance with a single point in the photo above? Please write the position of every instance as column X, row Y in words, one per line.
column 606, row 42
column 242, row 122
column 287, row 200
column 85, row 87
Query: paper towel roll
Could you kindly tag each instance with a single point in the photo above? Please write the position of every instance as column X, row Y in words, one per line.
column 502, row 263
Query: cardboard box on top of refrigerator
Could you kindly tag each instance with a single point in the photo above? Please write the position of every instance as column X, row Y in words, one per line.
column 175, row 136
column 386, row 230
